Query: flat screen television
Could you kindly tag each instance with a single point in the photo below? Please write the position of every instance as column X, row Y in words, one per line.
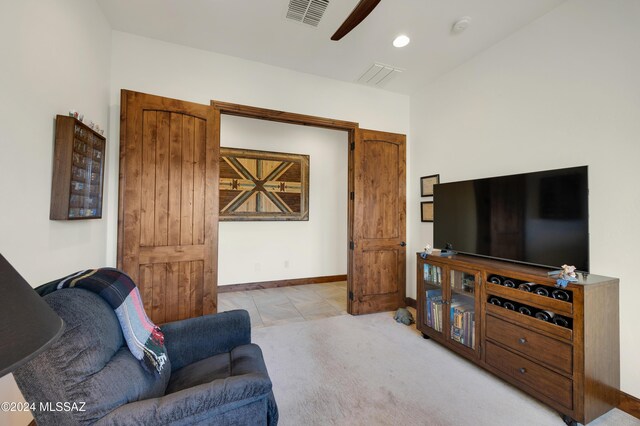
column 538, row 218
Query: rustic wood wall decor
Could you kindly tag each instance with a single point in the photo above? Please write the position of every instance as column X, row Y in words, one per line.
column 260, row 185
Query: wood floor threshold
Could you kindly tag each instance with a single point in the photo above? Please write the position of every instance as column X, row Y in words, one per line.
column 280, row 283
column 629, row 404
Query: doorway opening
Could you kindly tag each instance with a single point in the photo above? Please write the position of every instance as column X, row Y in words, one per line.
column 260, row 263
column 376, row 217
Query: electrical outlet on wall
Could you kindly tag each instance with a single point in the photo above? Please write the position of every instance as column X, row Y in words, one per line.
column 286, row 263
column 257, row 267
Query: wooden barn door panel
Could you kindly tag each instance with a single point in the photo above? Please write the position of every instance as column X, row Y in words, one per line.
column 168, row 206
column 379, row 254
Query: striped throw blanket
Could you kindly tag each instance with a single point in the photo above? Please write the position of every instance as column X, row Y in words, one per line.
column 144, row 339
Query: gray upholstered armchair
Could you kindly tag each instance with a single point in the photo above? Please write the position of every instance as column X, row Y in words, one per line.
column 216, row 376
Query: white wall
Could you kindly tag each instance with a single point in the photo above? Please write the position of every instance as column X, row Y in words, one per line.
column 265, row 251
column 563, row 91
column 55, row 56
column 166, row 69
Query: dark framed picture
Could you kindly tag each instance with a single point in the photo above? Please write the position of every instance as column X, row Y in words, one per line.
column 426, row 185
column 426, row 211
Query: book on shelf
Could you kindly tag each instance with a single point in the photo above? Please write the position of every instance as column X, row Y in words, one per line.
column 434, row 309
column 436, row 292
column 432, row 274
column 462, row 318
column 456, row 334
column 437, row 314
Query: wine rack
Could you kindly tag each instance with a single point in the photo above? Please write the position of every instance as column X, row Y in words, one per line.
column 78, row 171
column 543, row 339
column 530, row 311
column 530, row 287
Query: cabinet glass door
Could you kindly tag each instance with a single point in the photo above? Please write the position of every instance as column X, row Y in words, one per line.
column 434, row 302
column 462, row 308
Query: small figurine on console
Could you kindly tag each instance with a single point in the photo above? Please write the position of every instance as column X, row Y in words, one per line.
column 566, row 275
column 427, row 251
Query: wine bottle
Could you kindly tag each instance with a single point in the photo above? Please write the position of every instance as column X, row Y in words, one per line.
column 509, row 305
column 545, row 316
column 525, row 287
column 508, row 282
column 561, row 321
column 495, row 301
column 560, row 295
column 541, row 290
column 525, row 310
column 495, row 279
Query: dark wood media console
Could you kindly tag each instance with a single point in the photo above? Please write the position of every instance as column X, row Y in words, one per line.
column 562, row 348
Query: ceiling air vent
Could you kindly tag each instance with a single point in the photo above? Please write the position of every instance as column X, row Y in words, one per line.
column 307, row 11
column 379, row 74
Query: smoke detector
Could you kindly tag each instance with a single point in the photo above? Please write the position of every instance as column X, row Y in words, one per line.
column 460, row 25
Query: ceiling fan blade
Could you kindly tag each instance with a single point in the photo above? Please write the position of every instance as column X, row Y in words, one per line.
column 361, row 11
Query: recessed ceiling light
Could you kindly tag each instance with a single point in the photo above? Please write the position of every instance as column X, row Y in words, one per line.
column 401, row 41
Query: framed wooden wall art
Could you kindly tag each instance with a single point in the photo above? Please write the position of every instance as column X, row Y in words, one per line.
column 261, row 185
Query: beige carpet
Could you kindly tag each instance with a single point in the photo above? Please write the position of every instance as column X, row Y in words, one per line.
column 370, row 370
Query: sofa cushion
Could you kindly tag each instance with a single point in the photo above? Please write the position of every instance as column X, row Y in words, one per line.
column 241, row 360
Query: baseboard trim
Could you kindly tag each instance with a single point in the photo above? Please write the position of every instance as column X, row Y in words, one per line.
column 411, row 302
column 629, row 404
column 280, row 283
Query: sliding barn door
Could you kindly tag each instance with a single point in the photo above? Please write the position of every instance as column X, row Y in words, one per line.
column 379, row 255
column 168, row 206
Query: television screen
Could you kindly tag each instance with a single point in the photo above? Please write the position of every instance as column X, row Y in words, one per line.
column 540, row 218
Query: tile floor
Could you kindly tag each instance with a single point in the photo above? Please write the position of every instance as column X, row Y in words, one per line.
column 288, row 304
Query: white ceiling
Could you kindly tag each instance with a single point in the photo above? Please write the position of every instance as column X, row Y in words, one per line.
column 257, row 30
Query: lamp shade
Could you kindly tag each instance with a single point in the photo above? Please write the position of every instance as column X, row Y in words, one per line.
column 27, row 324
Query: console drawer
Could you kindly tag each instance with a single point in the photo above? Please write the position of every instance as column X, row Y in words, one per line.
column 532, row 375
column 545, row 349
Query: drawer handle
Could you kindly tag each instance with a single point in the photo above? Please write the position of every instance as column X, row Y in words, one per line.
column 522, row 340
column 522, row 370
